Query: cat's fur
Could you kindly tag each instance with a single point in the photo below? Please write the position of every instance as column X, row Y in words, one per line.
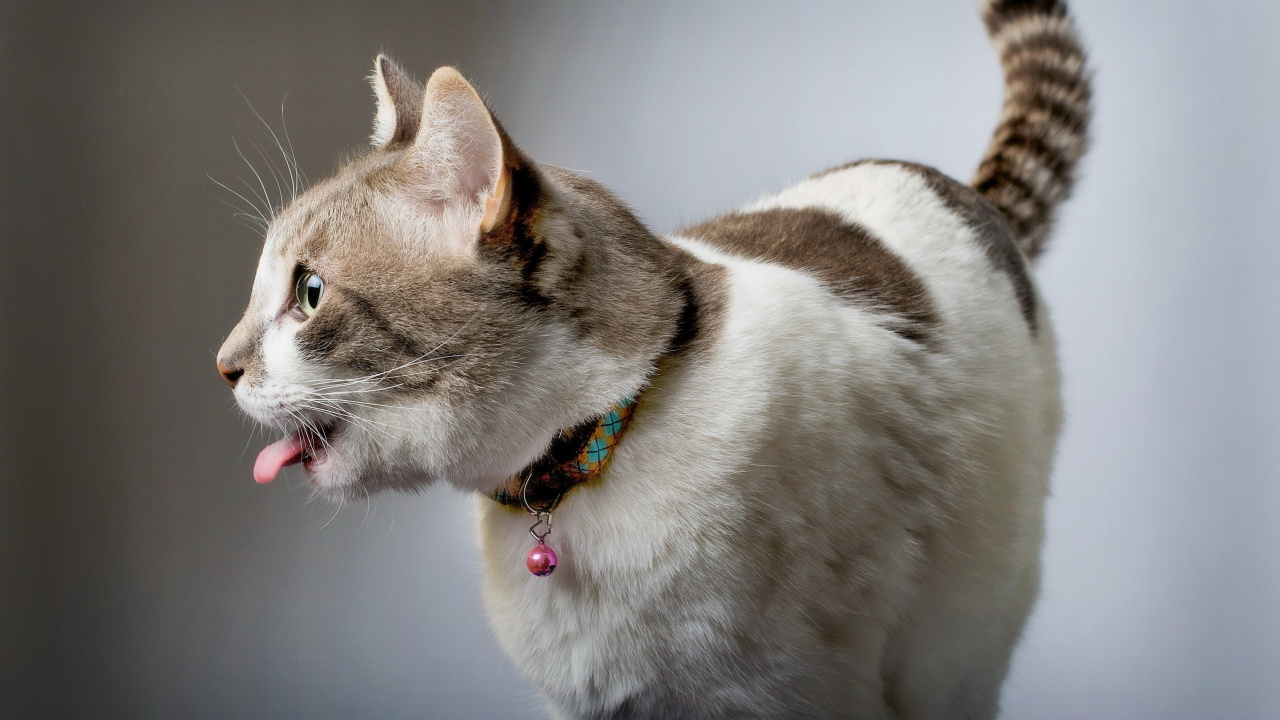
column 829, row 502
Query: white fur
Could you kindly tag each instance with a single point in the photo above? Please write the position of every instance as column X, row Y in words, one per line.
column 743, row 557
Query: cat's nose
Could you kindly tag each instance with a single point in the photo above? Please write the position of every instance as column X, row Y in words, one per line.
column 230, row 374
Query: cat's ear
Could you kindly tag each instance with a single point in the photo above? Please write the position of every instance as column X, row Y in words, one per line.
column 399, row 104
column 459, row 149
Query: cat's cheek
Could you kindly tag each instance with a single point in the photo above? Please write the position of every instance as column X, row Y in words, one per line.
column 283, row 364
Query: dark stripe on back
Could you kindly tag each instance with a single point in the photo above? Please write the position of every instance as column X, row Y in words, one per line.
column 989, row 224
column 1033, row 48
column 844, row 256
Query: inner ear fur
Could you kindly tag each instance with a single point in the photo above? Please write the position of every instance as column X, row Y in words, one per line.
column 399, row 99
column 460, row 151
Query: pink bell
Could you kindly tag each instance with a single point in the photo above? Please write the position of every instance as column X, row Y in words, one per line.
column 541, row 559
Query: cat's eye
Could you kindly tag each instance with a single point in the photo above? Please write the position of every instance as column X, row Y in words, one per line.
column 310, row 290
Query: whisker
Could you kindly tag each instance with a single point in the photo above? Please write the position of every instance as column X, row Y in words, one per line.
column 252, row 204
column 341, row 503
column 324, row 392
column 382, row 374
column 337, row 411
column 275, row 170
column 240, row 212
column 267, row 125
column 267, row 198
column 266, row 201
column 300, row 177
column 365, row 403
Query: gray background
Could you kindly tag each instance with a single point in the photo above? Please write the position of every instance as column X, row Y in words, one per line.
column 144, row 575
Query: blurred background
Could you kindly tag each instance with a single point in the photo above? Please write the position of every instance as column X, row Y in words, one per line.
column 144, row 575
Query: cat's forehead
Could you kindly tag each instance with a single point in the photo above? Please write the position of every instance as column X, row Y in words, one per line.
column 365, row 213
column 319, row 221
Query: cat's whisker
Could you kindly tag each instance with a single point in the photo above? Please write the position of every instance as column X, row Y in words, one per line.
column 265, row 192
column 367, row 502
column 376, row 377
column 256, row 227
column 333, row 410
column 242, row 213
column 276, row 138
column 310, row 428
column 340, row 412
column 425, row 357
column 299, row 177
column 267, row 213
column 275, row 172
column 357, row 403
column 257, row 213
column 326, row 392
column 341, row 503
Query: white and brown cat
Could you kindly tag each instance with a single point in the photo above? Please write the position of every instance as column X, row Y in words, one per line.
column 843, row 399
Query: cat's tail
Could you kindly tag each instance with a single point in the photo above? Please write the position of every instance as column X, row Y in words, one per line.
column 1030, row 166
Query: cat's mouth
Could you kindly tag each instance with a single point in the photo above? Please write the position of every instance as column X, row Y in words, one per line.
column 310, row 446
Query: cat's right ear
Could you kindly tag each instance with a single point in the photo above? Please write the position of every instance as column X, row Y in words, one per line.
column 399, row 105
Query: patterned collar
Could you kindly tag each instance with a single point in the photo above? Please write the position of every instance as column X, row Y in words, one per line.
column 576, row 456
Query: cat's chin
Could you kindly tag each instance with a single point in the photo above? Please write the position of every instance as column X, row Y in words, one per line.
column 339, row 475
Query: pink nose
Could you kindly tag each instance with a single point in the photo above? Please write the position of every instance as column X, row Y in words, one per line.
column 231, row 375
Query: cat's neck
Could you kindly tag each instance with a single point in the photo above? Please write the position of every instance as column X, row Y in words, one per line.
column 642, row 301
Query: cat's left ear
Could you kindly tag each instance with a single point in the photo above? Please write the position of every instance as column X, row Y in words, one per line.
column 399, row 104
column 460, row 151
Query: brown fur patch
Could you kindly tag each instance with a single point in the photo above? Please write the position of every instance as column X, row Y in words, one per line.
column 990, row 225
column 846, row 257
column 704, row 289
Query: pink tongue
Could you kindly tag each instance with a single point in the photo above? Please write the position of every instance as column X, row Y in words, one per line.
column 276, row 456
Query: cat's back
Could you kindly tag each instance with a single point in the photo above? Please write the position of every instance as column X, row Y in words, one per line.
column 898, row 247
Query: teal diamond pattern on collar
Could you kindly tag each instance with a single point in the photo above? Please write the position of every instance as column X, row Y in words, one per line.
column 597, row 450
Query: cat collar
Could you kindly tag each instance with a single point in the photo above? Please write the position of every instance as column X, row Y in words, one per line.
column 576, row 456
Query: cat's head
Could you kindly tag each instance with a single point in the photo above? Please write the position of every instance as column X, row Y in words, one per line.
column 440, row 307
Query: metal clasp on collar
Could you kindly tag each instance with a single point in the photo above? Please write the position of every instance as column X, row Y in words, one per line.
column 543, row 517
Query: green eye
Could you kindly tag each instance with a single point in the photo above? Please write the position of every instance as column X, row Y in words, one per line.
column 310, row 290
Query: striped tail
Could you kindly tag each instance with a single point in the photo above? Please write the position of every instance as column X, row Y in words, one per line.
column 1030, row 166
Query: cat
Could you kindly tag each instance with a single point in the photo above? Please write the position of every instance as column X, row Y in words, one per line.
column 796, row 456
